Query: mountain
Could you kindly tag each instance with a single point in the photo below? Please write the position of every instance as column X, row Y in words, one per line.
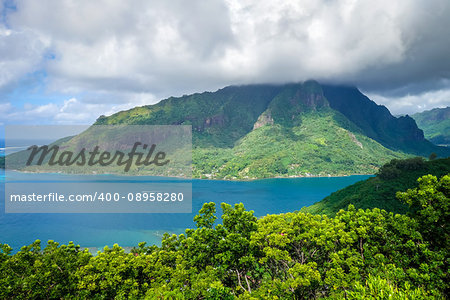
column 435, row 124
column 301, row 129
column 380, row 191
column 377, row 122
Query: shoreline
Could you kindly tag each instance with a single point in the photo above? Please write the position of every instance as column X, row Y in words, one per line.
column 193, row 178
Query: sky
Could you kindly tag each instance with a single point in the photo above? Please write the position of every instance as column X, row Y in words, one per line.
column 68, row 62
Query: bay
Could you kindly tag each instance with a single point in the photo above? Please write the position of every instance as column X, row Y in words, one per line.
column 268, row 196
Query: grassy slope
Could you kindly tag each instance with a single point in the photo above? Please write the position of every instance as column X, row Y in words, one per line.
column 435, row 124
column 380, row 191
column 321, row 145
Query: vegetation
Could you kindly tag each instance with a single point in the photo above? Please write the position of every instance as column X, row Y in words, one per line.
column 358, row 254
column 380, row 191
column 435, row 124
column 324, row 144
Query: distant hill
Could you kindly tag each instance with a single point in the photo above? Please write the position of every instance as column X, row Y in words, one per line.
column 379, row 191
column 435, row 124
column 301, row 129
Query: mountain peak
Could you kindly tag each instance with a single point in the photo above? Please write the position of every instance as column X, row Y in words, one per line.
column 377, row 122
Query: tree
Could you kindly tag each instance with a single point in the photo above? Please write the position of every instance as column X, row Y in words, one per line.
column 432, row 156
column 429, row 205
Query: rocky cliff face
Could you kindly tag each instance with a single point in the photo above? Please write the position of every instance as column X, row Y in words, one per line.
column 310, row 96
column 264, row 119
column 294, row 99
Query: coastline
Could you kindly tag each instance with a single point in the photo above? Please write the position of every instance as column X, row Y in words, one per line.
column 194, row 178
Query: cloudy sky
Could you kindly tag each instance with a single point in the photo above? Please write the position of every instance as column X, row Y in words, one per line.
column 67, row 62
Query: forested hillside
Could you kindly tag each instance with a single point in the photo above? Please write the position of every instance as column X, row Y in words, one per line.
column 379, row 191
column 435, row 124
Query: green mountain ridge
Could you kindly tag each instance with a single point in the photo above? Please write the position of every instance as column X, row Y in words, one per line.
column 435, row 124
column 299, row 129
column 290, row 130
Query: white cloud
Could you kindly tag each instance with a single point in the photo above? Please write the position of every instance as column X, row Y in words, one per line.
column 71, row 111
column 20, row 53
column 145, row 47
column 5, row 107
column 410, row 104
column 30, row 113
column 316, row 39
column 117, row 52
column 74, row 111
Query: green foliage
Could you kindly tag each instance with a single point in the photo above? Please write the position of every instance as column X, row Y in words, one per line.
column 430, row 207
column 380, row 191
column 206, row 216
column 358, row 254
column 33, row 273
column 395, row 167
column 435, row 124
column 378, row 288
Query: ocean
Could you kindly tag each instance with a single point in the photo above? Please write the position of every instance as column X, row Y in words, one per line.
column 267, row 196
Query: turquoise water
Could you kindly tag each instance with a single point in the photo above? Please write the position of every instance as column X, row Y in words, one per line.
column 270, row 196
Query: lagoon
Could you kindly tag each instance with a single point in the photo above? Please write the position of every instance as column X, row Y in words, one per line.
column 267, row 196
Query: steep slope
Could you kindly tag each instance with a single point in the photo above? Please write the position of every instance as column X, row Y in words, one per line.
column 321, row 145
column 377, row 122
column 435, row 124
column 379, row 191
